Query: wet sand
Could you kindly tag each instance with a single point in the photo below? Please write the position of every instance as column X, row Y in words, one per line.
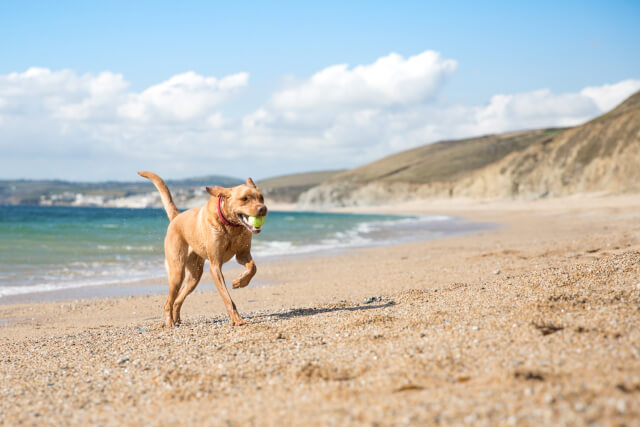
column 535, row 322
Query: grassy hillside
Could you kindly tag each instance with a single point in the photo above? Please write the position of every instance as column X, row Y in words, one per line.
column 445, row 161
column 287, row 188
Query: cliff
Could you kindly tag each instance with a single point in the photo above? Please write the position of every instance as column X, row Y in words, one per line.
column 602, row 155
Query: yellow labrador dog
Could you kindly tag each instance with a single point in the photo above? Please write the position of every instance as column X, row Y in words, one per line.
column 217, row 231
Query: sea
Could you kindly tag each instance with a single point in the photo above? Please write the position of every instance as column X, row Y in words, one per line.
column 52, row 248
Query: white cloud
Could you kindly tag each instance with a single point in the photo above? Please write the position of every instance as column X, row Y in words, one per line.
column 42, row 93
column 341, row 111
column 183, row 97
column 98, row 96
column 63, row 124
column 41, row 107
column 67, row 96
column 389, row 80
column 539, row 108
column 607, row 97
column 542, row 108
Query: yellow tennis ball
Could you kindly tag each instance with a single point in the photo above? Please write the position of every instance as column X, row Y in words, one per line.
column 256, row 221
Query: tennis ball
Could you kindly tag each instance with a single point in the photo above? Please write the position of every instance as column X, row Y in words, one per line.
column 256, row 221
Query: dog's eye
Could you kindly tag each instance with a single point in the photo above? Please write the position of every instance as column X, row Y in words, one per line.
column 244, row 199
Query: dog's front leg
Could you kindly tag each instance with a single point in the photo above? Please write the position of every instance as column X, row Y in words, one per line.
column 218, row 278
column 243, row 280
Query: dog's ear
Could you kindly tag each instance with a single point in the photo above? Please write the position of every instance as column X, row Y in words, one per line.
column 250, row 183
column 218, row 191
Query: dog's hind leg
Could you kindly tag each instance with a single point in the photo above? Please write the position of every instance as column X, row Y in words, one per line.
column 175, row 280
column 194, row 268
column 176, row 257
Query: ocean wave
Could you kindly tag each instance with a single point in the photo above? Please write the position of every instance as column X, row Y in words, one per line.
column 361, row 234
column 79, row 275
column 280, row 248
column 61, row 286
column 48, row 287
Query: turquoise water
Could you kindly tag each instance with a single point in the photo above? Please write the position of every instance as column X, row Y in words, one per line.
column 50, row 248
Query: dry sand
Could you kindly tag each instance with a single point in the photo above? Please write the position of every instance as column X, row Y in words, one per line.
column 533, row 323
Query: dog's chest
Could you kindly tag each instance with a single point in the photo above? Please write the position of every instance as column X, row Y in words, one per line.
column 230, row 244
column 241, row 244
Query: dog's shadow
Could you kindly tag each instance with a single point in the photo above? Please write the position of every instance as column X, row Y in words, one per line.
column 293, row 313
column 303, row 312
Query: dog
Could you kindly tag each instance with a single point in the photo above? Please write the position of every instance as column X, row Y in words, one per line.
column 217, row 232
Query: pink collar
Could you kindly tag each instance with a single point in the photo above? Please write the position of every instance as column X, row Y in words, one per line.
column 224, row 220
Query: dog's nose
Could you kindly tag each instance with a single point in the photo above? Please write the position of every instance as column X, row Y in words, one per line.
column 262, row 210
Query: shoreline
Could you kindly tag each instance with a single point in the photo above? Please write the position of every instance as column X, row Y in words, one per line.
column 534, row 322
column 391, row 235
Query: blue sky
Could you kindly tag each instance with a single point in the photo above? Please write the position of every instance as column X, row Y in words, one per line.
column 499, row 48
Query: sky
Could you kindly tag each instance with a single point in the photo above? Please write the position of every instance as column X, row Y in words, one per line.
column 93, row 91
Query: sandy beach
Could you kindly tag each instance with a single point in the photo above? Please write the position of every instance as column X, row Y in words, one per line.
column 534, row 322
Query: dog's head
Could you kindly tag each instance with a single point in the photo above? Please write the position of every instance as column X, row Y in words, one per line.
column 240, row 202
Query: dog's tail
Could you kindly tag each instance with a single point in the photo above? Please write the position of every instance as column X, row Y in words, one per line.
column 167, row 201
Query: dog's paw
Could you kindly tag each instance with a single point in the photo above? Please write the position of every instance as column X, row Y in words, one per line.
column 176, row 319
column 169, row 323
column 238, row 322
column 239, row 283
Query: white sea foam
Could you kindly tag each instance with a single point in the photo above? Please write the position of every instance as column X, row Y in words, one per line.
column 48, row 287
column 79, row 275
column 354, row 237
column 362, row 234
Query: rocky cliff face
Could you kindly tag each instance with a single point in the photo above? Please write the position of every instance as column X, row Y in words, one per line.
column 340, row 194
column 602, row 155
